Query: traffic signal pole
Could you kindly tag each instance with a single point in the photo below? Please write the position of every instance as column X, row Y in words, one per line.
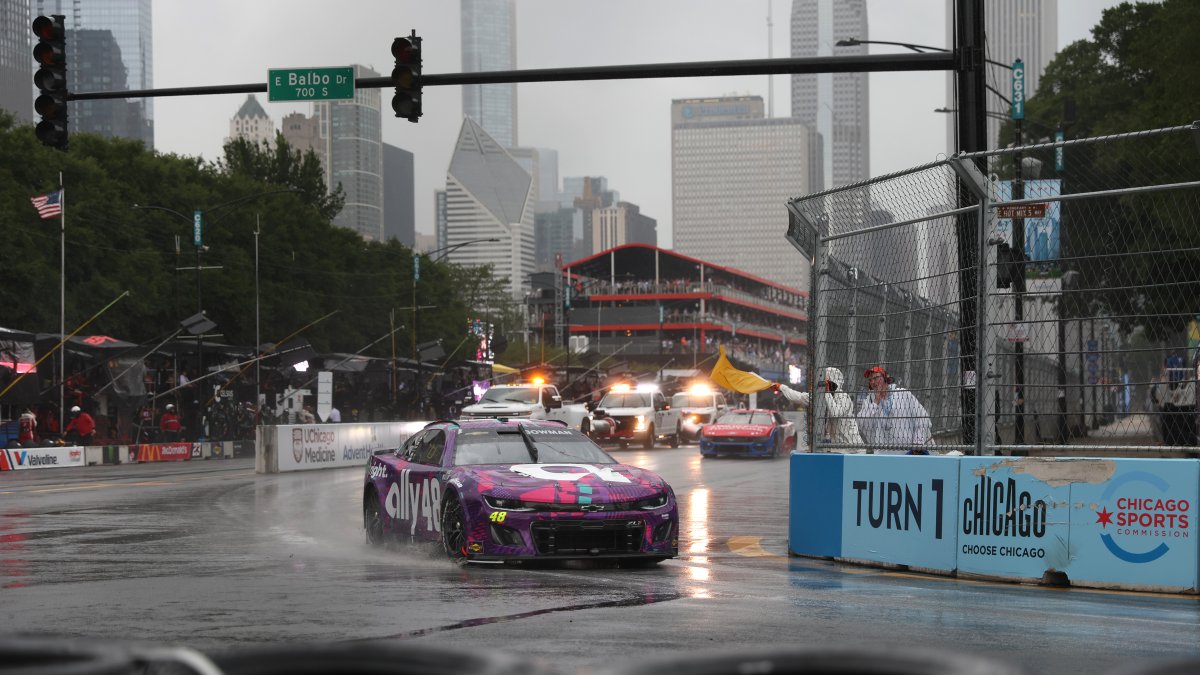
column 819, row 64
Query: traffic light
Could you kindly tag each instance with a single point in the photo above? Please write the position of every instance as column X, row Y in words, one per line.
column 50, row 54
column 407, row 77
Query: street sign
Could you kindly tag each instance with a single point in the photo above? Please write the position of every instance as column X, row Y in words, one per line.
column 197, row 220
column 1022, row 211
column 1058, row 152
column 1018, row 90
column 310, row 84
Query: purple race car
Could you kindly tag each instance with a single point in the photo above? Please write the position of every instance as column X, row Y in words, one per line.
column 494, row 490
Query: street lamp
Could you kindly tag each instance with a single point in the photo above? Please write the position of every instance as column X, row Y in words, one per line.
column 197, row 220
column 854, row 42
column 433, row 257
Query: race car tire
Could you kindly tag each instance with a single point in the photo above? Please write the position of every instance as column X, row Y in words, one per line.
column 648, row 441
column 372, row 518
column 585, row 428
column 623, row 445
column 454, row 530
column 678, row 434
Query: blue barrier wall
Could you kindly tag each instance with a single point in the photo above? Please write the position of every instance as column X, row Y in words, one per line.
column 1113, row 523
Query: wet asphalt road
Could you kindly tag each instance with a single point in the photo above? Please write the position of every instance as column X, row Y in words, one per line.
column 213, row 556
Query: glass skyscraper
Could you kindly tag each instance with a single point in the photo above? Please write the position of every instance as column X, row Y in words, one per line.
column 352, row 133
column 16, row 59
column 110, row 47
column 489, row 42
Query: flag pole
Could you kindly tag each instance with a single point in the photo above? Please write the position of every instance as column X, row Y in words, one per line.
column 62, row 299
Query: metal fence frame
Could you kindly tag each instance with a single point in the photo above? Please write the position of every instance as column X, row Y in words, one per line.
column 912, row 327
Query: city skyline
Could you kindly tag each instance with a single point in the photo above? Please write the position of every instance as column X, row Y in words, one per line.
column 596, row 127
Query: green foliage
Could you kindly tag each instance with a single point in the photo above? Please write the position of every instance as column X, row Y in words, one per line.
column 1137, row 72
column 307, row 267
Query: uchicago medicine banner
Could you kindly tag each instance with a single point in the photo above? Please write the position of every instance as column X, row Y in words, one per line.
column 301, row 447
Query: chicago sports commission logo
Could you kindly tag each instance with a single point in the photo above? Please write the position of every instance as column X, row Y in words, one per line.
column 1137, row 517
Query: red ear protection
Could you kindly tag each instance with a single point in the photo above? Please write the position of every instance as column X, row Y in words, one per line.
column 880, row 371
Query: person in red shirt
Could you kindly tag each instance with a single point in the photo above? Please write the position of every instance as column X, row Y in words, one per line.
column 169, row 426
column 81, row 428
column 27, row 428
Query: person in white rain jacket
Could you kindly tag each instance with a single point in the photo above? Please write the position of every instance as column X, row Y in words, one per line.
column 840, row 427
column 891, row 416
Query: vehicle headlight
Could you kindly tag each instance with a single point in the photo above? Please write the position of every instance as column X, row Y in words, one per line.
column 639, row 422
column 506, row 504
column 694, row 419
column 656, row 502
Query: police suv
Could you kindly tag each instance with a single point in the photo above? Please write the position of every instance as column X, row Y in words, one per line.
column 638, row 413
column 533, row 400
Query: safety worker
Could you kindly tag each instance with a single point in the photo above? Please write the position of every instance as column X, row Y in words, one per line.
column 891, row 418
column 27, row 428
column 82, row 428
column 168, row 425
column 840, row 427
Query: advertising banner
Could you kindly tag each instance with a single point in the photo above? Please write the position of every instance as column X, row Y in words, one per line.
column 302, row 447
column 19, row 459
column 164, row 452
column 1014, row 514
column 1137, row 528
column 900, row 509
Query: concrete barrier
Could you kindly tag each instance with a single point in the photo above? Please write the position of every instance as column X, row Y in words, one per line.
column 304, row 447
column 1096, row 522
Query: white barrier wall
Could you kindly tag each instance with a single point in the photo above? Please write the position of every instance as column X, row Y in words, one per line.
column 20, row 459
column 303, row 447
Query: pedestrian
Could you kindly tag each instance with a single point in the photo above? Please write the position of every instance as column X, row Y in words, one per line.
column 1176, row 397
column 840, row 427
column 891, row 418
column 27, row 428
column 169, row 426
column 335, row 415
column 306, row 416
column 81, row 428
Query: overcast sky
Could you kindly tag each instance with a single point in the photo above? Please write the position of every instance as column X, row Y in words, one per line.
column 616, row 129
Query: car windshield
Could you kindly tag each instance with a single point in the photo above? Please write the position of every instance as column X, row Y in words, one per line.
column 692, row 401
column 746, row 417
column 626, row 400
column 506, row 446
column 510, row 395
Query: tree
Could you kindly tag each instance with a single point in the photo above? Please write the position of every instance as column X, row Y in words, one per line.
column 281, row 164
column 1137, row 72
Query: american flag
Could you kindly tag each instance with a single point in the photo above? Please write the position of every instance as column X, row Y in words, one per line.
column 49, row 205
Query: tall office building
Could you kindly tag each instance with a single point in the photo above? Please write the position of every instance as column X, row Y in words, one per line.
column 489, row 196
column 587, row 195
column 353, row 137
column 622, row 223
column 1014, row 29
column 252, row 123
column 732, row 171
column 489, row 42
column 835, row 105
column 108, row 41
column 398, row 199
column 16, row 59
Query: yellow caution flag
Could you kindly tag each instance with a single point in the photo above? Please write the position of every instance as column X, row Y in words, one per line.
column 724, row 374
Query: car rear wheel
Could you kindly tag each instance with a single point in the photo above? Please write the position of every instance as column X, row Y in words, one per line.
column 648, row 441
column 677, row 436
column 454, row 530
column 372, row 518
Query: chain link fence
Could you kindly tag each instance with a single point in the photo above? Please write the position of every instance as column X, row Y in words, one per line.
column 1040, row 299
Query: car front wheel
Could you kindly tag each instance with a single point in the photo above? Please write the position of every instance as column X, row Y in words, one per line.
column 648, row 441
column 454, row 530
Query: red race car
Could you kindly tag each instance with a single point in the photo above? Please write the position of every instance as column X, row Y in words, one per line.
column 748, row 433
